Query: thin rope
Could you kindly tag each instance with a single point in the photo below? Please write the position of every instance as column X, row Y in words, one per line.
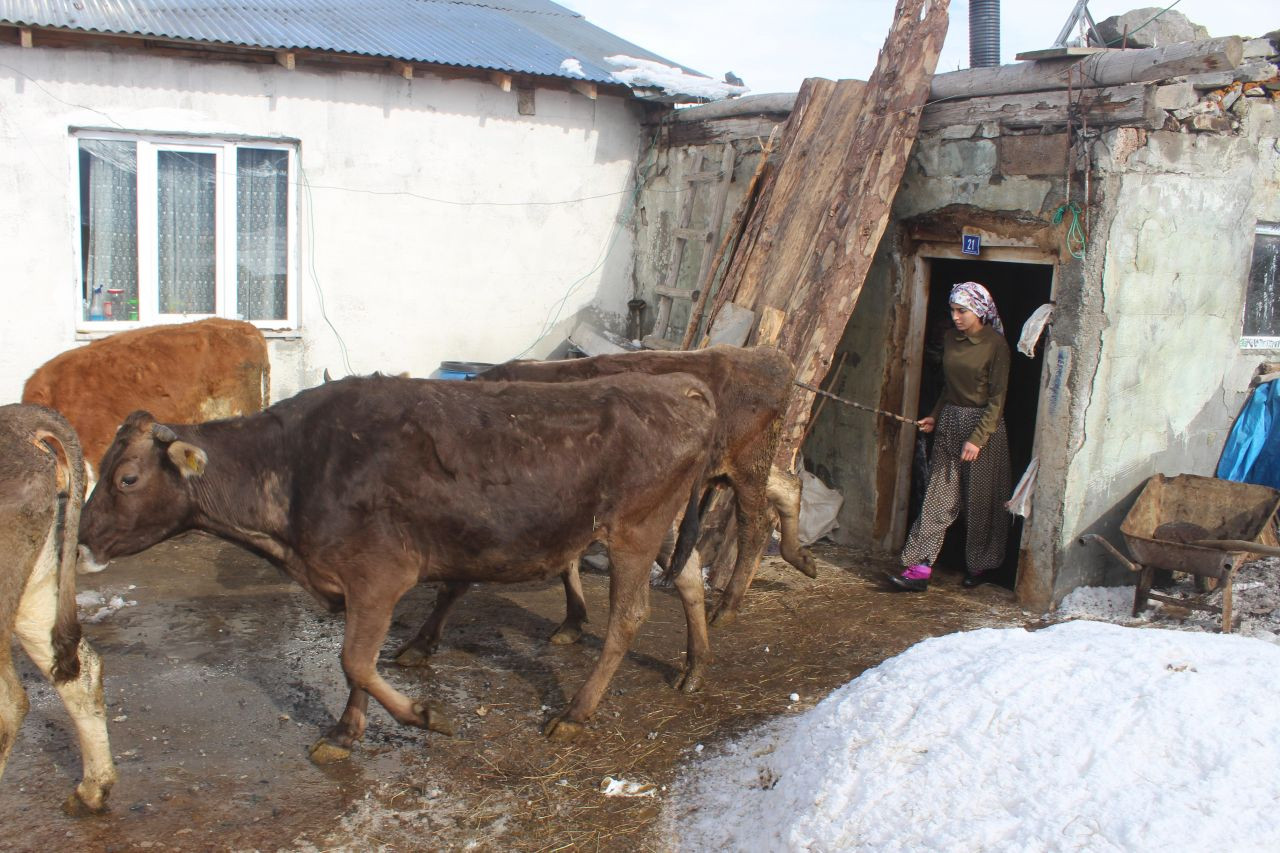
column 839, row 399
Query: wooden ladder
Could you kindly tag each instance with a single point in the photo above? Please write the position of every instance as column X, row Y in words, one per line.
column 683, row 234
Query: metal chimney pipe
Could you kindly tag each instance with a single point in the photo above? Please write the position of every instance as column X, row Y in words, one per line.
column 984, row 33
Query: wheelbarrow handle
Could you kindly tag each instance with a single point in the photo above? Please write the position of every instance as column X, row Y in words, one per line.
column 1124, row 561
column 1238, row 545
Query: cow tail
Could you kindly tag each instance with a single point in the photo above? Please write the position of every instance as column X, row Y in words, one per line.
column 690, row 526
column 69, row 465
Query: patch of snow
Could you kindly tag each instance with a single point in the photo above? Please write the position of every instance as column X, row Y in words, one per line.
column 95, row 606
column 645, row 73
column 1108, row 603
column 572, row 66
column 1006, row 739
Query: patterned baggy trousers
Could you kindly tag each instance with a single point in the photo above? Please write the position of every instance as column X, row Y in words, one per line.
column 979, row 487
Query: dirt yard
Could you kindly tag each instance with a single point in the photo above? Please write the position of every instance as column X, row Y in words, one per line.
column 220, row 674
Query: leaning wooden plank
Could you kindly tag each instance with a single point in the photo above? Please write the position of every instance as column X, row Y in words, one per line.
column 857, row 208
column 1112, row 68
column 1121, row 106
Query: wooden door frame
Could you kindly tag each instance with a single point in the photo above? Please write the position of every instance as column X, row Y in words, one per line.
column 916, row 271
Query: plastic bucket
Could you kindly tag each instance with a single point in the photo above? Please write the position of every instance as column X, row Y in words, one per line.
column 458, row 369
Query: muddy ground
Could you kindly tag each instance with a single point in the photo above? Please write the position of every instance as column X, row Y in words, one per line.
column 220, row 674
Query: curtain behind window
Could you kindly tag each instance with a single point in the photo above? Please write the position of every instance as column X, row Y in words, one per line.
column 262, row 194
column 186, row 185
column 109, row 219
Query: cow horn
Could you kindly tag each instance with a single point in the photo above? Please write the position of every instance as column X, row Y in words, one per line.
column 163, row 434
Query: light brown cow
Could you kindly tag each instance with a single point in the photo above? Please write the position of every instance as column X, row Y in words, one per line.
column 184, row 373
column 41, row 489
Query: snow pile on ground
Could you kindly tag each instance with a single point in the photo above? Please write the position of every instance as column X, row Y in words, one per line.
column 94, row 606
column 1083, row 735
column 645, row 73
column 1255, row 604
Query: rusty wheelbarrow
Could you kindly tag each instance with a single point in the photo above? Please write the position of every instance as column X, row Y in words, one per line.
column 1200, row 525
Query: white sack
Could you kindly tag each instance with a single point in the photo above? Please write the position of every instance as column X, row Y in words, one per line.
column 819, row 507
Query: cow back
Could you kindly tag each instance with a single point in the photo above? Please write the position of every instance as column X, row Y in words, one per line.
column 184, row 373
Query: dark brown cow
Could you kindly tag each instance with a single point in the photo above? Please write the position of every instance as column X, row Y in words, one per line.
column 185, row 373
column 751, row 387
column 41, row 490
column 360, row 489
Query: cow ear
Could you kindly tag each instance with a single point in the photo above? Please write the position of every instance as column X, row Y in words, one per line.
column 189, row 459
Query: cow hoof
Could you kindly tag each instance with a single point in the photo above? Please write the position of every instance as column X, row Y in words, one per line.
column 74, row 806
column 808, row 566
column 323, row 752
column 689, row 681
column 566, row 635
column 436, row 719
column 561, row 730
column 412, row 656
column 723, row 617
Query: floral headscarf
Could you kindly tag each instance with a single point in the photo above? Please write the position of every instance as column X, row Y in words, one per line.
column 975, row 297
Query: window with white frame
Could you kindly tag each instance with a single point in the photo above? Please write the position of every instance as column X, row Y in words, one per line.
column 1262, row 299
column 182, row 228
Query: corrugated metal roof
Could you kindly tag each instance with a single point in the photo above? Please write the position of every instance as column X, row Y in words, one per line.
column 518, row 36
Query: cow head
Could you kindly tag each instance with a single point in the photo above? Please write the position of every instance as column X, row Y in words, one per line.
column 144, row 494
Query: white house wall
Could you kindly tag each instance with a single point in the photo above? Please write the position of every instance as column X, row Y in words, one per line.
column 1171, row 376
column 435, row 223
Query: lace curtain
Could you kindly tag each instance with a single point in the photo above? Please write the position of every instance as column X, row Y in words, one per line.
column 109, row 223
column 186, row 184
column 262, row 194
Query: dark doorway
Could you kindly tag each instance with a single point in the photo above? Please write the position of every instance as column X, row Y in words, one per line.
column 1018, row 290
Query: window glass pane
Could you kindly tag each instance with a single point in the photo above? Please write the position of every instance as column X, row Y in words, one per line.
column 262, row 195
column 1262, row 305
column 186, row 198
column 109, row 229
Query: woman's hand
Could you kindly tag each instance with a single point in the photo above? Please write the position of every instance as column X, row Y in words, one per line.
column 970, row 452
column 925, row 424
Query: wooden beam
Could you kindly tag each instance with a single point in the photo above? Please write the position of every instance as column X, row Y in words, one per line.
column 1120, row 106
column 286, row 59
column 815, row 230
column 501, row 80
column 25, row 37
column 1112, row 68
column 404, row 69
column 584, row 88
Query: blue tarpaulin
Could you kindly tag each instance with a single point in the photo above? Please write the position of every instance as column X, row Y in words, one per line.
column 1252, row 451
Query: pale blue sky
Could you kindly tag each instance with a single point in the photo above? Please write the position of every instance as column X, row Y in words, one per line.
column 773, row 46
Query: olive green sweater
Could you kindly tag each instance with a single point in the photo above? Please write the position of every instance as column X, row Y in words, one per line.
column 976, row 370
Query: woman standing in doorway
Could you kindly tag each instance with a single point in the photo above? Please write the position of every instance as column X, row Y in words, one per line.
column 970, row 459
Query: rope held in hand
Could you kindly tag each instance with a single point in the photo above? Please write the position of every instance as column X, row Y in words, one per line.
column 838, row 399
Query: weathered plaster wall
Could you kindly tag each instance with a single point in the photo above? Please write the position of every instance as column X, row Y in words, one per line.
column 660, row 203
column 436, row 223
column 1170, row 376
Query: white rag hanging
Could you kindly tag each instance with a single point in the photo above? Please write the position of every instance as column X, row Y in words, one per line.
column 1020, row 503
column 1033, row 328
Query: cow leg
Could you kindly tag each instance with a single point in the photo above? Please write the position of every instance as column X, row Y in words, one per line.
column 368, row 620
column 628, row 608
column 81, row 696
column 753, row 529
column 13, row 704
column 417, row 651
column 575, row 608
column 784, row 495
column 698, row 651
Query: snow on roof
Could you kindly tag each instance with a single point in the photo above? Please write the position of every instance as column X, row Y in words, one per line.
column 1084, row 735
column 645, row 73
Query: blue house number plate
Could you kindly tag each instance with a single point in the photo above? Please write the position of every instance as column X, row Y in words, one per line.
column 970, row 244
